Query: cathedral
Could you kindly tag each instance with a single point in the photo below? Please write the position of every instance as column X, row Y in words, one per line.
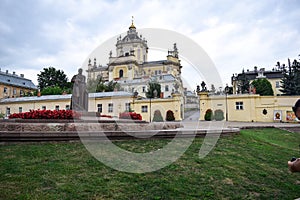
column 132, row 70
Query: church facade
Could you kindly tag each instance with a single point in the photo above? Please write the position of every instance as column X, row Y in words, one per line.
column 132, row 70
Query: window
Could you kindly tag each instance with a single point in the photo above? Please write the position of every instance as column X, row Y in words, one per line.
column 121, row 73
column 43, row 107
column 127, row 106
column 239, row 105
column 277, row 84
column 14, row 91
column 166, row 88
column 99, row 108
column 57, row 107
column 144, row 109
column 5, row 89
column 67, row 107
column 156, row 72
column 20, row 109
column 7, row 111
column 144, row 89
column 21, row 93
column 110, row 107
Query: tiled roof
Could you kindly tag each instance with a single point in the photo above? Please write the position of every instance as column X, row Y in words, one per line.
column 252, row 75
column 64, row 97
column 15, row 80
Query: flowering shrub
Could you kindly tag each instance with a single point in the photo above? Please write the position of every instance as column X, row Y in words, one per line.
column 130, row 115
column 208, row 115
column 46, row 114
column 170, row 116
column 107, row 116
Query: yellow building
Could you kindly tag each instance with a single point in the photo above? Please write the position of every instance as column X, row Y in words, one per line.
column 132, row 70
column 12, row 85
column 107, row 103
column 147, row 107
column 249, row 107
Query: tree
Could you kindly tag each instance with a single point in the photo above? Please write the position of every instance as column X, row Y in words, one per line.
column 52, row 90
column 243, row 83
column 219, row 115
column 290, row 83
column 99, row 85
column 152, row 87
column 157, row 116
column 170, row 116
column 51, row 77
column 263, row 87
column 208, row 115
column 111, row 86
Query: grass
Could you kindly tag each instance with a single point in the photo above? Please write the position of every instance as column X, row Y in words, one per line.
column 252, row 165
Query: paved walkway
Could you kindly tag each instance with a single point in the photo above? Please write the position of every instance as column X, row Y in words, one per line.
column 193, row 121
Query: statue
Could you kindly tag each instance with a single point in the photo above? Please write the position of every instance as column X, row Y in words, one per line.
column 203, row 86
column 79, row 101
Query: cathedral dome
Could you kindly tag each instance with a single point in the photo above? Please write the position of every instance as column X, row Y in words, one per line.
column 132, row 26
column 132, row 36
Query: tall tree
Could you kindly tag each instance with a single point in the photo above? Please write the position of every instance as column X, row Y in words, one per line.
column 51, row 77
column 290, row 83
column 243, row 83
column 152, row 87
column 99, row 85
column 263, row 87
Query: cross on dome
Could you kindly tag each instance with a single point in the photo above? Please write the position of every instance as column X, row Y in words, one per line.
column 132, row 25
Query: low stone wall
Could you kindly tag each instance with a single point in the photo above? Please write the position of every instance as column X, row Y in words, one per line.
column 71, row 126
column 64, row 130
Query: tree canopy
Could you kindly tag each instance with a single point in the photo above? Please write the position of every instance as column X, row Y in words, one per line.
column 290, row 83
column 243, row 83
column 263, row 87
column 51, row 77
column 153, row 86
column 99, row 85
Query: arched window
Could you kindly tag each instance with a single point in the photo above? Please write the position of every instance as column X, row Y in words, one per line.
column 121, row 73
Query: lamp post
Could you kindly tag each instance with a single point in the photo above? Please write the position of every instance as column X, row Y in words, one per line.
column 135, row 95
column 150, row 110
column 154, row 96
column 226, row 93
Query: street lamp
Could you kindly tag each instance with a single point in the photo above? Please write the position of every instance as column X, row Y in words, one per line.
column 154, row 96
column 226, row 93
column 135, row 95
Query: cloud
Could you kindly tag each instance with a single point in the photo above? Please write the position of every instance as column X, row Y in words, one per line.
column 235, row 34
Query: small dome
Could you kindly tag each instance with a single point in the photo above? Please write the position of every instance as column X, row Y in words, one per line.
column 132, row 26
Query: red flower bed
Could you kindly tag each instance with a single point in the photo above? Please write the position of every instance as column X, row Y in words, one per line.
column 46, row 114
column 130, row 115
column 107, row 116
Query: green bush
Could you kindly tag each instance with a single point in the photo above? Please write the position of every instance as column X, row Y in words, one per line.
column 2, row 115
column 52, row 90
column 157, row 116
column 208, row 115
column 219, row 115
column 170, row 116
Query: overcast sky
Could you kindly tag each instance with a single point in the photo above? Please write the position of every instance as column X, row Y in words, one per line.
column 235, row 34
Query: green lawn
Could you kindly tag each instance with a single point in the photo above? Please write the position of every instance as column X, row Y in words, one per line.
column 252, row 165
